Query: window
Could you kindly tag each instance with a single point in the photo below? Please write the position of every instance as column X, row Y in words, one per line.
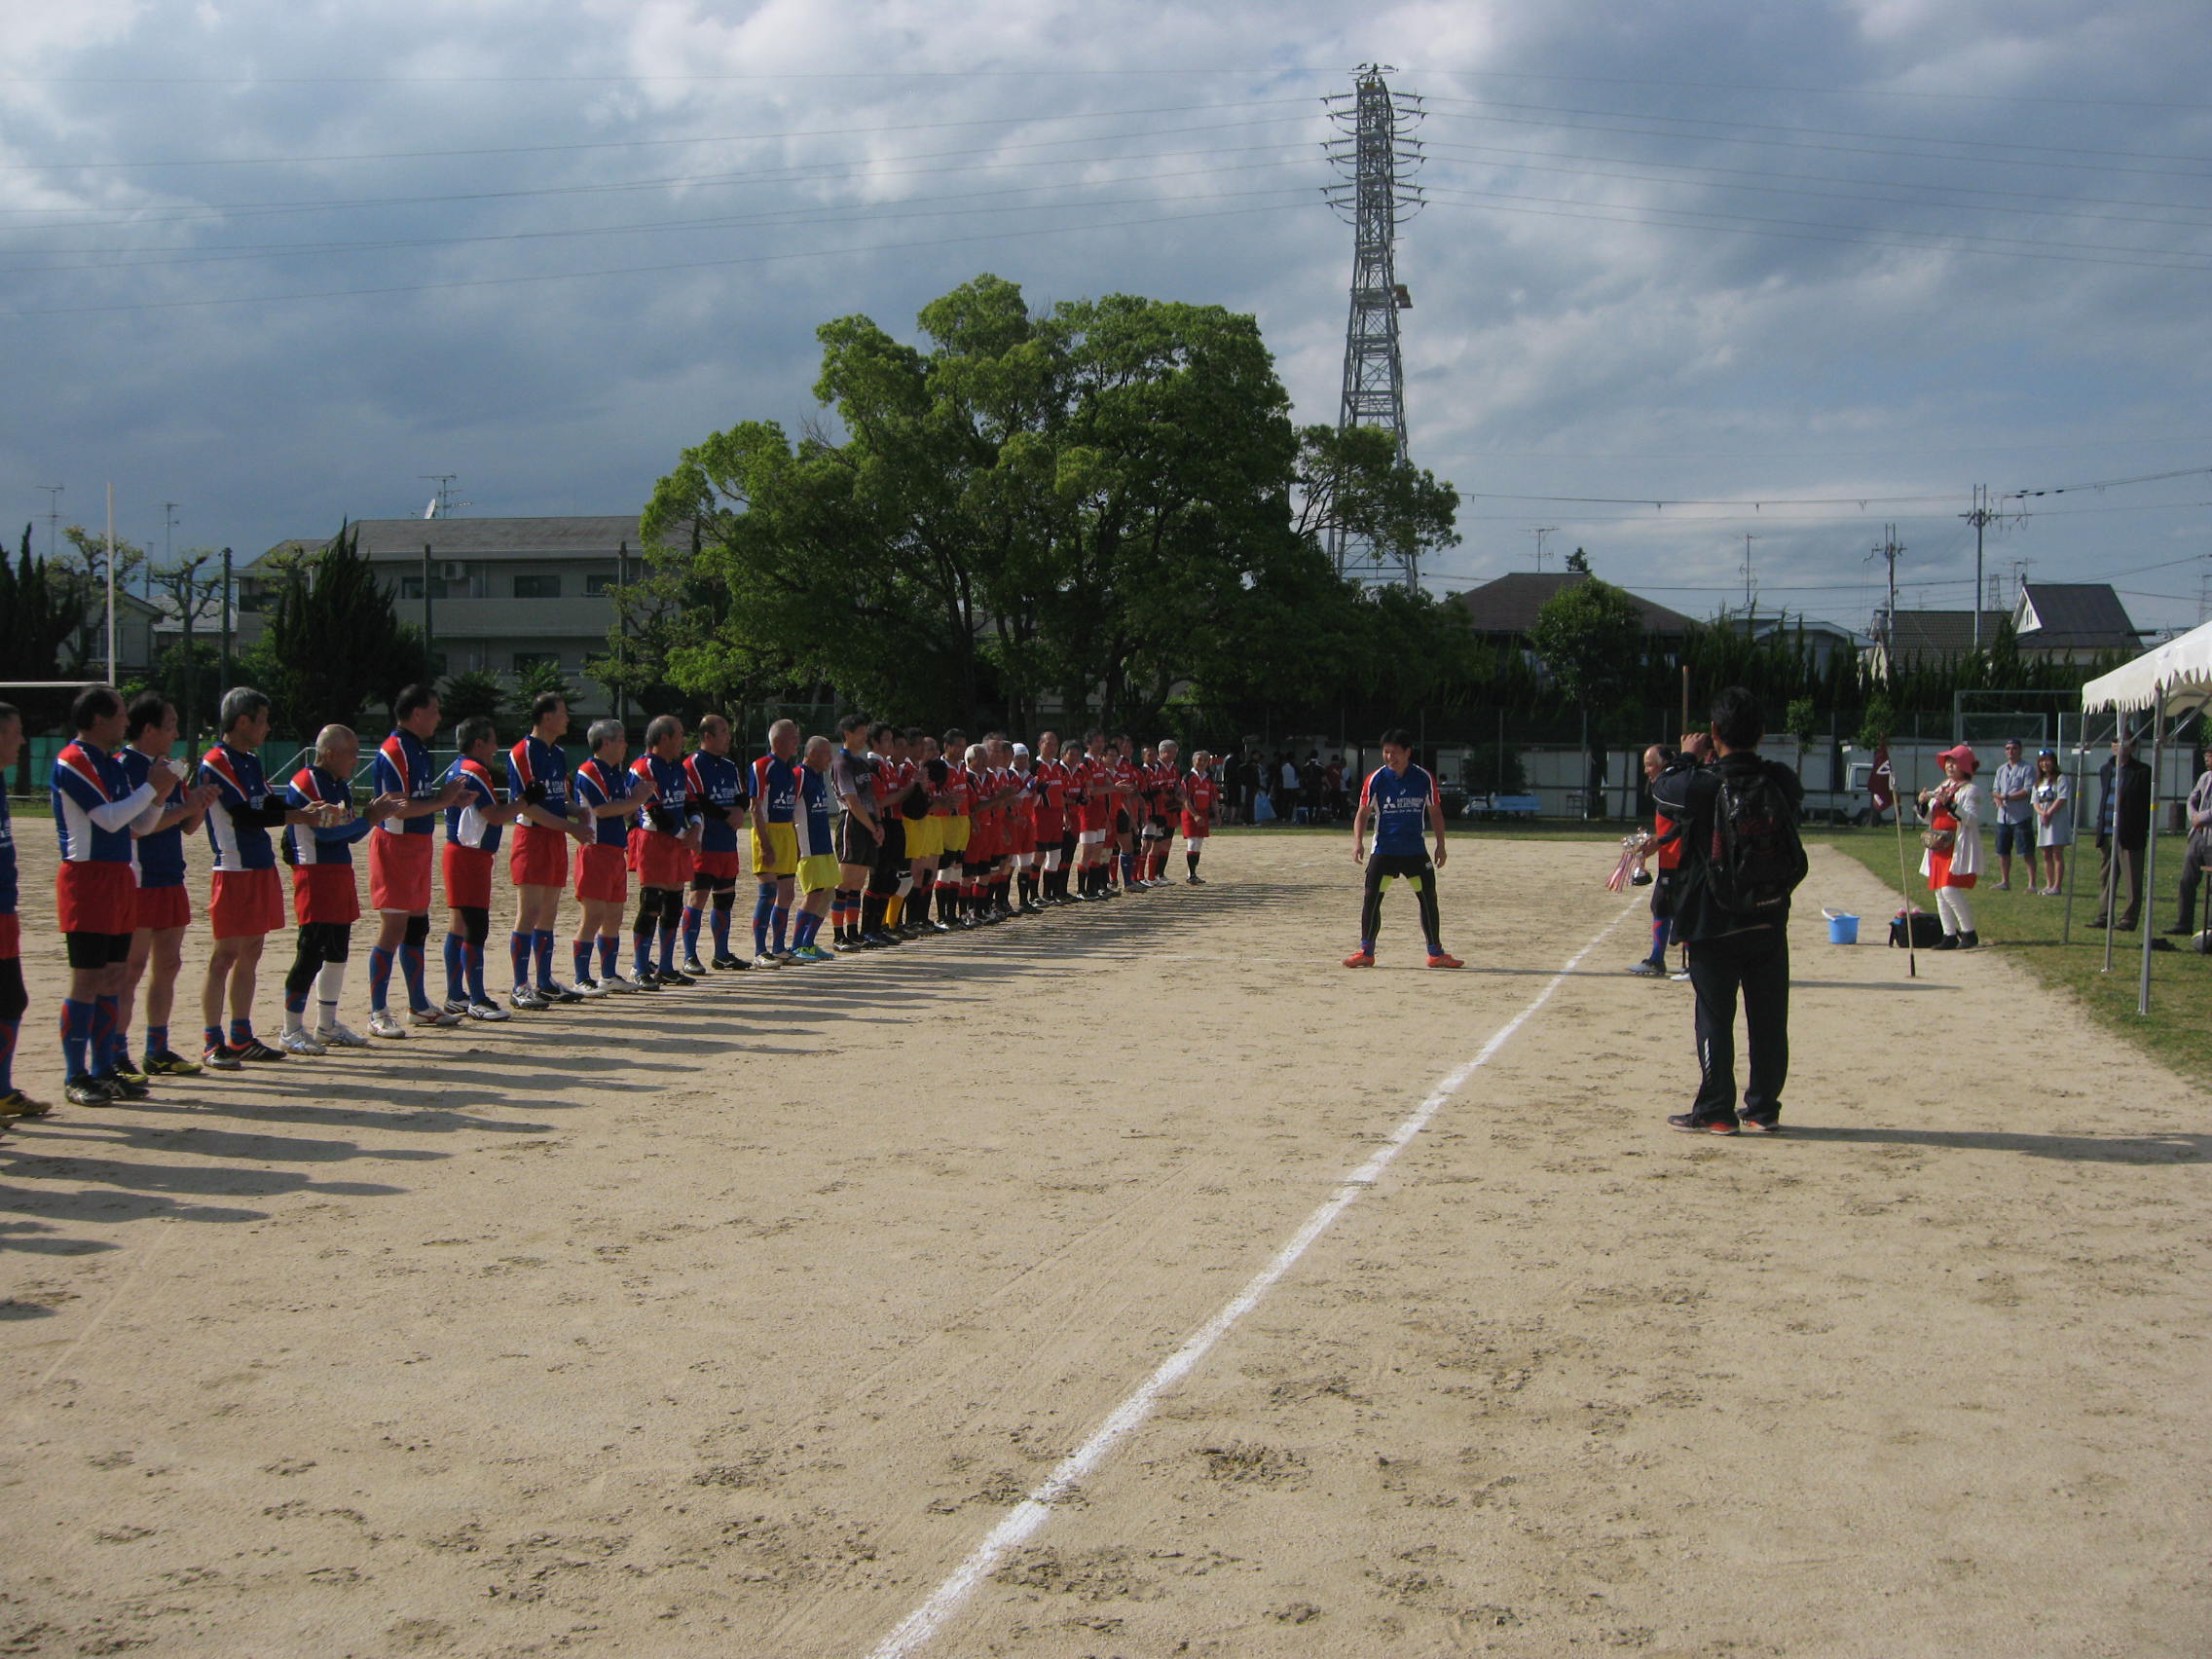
column 595, row 586
column 410, row 587
column 525, row 661
column 539, row 587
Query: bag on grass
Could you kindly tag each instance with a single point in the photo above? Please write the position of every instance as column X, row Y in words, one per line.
column 1756, row 860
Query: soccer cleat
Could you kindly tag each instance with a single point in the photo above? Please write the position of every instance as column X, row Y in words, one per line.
column 443, row 1019
column 87, row 1091
column 167, row 1064
column 122, row 1087
column 1762, row 1125
column 382, row 1022
column 694, row 968
column 647, row 979
column 1360, row 958
column 297, row 1041
column 126, row 1072
column 767, row 959
column 221, row 1058
column 844, row 946
column 1679, row 974
column 592, row 987
column 17, row 1104
column 1689, row 1124
column 673, row 977
column 490, row 1012
column 527, row 997
column 812, row 953
column 621, row 987
column 1194, row 881
column 555, row 992
column 1445, row 959
column 728, row 963
column 456, row 1004
column 1646, row 968
column 255, row 1049
column 337, row 1036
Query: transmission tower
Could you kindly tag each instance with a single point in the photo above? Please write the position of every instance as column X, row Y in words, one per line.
column 1378, row 157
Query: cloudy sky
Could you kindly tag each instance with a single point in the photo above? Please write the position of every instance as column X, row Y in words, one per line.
column 275, row 262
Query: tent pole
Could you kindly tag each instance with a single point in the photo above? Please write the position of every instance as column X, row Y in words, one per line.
column 2148, row 920
column 2110, row 849
column 1905, row 889
column 2073, row 847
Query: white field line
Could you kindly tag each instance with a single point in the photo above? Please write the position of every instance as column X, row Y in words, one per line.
column 1022, row 1520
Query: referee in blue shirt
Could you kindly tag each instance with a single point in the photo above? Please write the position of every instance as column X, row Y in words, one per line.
column 1400, row 800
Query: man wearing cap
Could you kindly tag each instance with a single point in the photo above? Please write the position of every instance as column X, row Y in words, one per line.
column 2200, row 853
column 2015, row 816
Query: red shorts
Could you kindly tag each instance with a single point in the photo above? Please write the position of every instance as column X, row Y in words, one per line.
column 96, row 897
column 399, row 871
column 1024, row 836
column 603, row 874
column 982, row 841
column 717, row 865
column 1196, row 826
column 11, row 936
column 540, row 856
column 468, row 877
column 1049, row 830
column 325, row 893
column 1097, row 814
column 164, row 908
column 660, row 861
column 246, row 903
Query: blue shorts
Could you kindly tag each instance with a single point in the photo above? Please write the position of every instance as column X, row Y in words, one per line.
column 2015, row 837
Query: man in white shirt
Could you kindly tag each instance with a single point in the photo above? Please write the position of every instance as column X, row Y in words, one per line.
column 2016, row 818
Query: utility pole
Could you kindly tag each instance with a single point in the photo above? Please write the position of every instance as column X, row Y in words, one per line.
column 1378, row 160
column 1749, row 597
column 1540, row 533
column 1889, row 551
column 428, row 637
column 1980, row 518
column 226, row 618
column 111, row 673
column 53, row 517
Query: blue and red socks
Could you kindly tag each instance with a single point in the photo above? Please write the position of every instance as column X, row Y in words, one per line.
column 380, row 978
column 542, row 947
column 609, row 953
column 518, row 948
column 76, row 1036
column 691, row 920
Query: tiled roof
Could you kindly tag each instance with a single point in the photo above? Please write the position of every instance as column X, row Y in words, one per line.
column 2077, row 616
column 1941, row 633
column 580, row 538
column 1509, row 604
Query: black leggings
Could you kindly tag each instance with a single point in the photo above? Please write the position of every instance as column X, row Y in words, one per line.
column 1414, row 868
column 476, row 924
column 320, row 942
column 13, row 999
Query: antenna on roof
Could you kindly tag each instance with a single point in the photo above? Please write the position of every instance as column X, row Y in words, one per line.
column 442, row 504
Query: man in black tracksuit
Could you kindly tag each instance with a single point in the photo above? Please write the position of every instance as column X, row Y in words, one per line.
column 1730, row 956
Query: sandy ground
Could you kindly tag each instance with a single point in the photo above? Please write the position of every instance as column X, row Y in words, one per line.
column 732, row 1322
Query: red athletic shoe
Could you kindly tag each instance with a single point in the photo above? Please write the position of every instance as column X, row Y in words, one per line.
column 1360, row 958
column 1445, row 960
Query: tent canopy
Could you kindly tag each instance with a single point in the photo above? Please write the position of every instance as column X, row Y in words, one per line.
column 2177, row 674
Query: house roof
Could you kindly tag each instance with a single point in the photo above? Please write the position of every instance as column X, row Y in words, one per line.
column 579, row 538
column 1941, row 633
column 2075, row 615
column 1509, row 604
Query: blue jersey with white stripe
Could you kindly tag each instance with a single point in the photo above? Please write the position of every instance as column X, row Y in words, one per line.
column 94, row 805
column 161, row 852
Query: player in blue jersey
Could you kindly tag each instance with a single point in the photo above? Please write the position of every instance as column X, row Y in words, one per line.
column 97, row 811
column 816, row 864
column 719, row 798
column 472, row 839
column 1400, row 800
column 775, row 842
column 662, row 843
column 248, row 902
column 13, row 999
column 326, row 898
column 538, row 862
column 609, row 798
column 164, row 908
column 400, row 855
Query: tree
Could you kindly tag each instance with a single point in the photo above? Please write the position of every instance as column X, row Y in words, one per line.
column 38, row 616
column 473, row 691
column 333, row 645
column 534, row 681
column 1801, row 719
column 195, row 593
column 1578, row 560
column 1590, row 638
column 81, row 566
column 1353, row 479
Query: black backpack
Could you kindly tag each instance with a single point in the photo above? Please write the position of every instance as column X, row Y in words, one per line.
column 1755, row 859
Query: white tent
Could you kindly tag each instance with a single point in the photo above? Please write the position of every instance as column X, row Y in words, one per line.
column 2170, row 680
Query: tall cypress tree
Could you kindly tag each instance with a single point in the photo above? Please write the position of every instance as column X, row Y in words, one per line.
column 335, row 645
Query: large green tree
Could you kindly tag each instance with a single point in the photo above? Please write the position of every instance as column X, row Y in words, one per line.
column 334, row 647
column 1588, row 636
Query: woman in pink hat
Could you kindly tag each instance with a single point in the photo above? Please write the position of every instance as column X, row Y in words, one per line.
column 1952, row 862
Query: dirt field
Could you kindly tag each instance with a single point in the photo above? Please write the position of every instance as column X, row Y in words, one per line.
column 734, row 1323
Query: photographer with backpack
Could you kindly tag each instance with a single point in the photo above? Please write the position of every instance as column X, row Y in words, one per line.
column 1742, row 861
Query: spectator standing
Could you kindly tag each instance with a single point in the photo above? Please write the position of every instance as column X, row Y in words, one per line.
column 2199, row 852
column 1952, row 861
column 15, row 1001
column 2051, row 796
column 1333, row 787
column 1742, row 860
column 2124, row 830
column 2015, row 816
column 1286, row 788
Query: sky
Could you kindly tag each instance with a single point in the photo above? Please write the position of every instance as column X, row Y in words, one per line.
column 1686, row 272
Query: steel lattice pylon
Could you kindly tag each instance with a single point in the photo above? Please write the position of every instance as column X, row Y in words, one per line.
column 1378, row 157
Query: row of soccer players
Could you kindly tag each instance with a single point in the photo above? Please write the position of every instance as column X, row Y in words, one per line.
column 868, row 837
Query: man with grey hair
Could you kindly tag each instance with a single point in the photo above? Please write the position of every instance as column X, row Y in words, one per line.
column 248, row 902
column 662, row 841
column 608, row 797
column 774, row 841
column 325, row 898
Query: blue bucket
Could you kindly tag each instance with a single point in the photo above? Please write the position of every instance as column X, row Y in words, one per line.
column 1843, row 930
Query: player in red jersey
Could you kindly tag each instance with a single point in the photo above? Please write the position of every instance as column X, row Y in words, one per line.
column 1090, row 790
column 1201, row 794
column 326, row 898
column 663, row 840
column 474, row 824
column 1129, row 788
column 1024, row 810
column 1055, row 832
column 894, row 789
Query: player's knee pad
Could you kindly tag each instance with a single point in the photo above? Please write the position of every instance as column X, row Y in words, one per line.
column 476, row 924
column 648, row 909
column 725, row 899
column 418, row 932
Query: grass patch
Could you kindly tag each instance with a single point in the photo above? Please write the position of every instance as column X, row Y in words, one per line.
column 2178, row 1030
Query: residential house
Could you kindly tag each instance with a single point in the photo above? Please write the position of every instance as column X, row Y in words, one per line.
column 1503, row 610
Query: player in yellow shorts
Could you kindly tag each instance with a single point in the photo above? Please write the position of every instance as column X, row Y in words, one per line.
column 775, row 842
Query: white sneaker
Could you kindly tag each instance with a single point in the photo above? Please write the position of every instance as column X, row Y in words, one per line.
column 337, row 1036
column 616, row 983
column 765, row 959
column 488, row 1011
column 382, row 1023
column 436, row 1017
column 298, row 1042
column 593, row 987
